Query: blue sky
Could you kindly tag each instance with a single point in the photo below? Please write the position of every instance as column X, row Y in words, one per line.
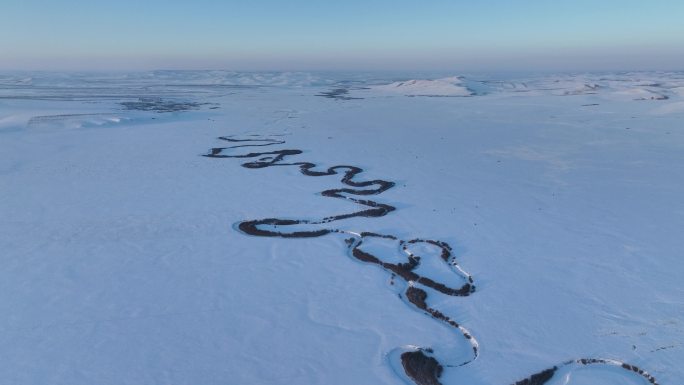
column 351, row 34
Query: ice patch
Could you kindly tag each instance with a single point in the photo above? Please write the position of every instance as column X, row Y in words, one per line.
column 638, row 94
column 671, row 108
column 11, row 122
column 72, row 121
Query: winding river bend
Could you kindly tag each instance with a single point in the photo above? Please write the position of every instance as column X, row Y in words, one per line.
column 418, row 363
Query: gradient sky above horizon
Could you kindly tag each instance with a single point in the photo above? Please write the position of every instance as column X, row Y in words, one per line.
column 342, row 35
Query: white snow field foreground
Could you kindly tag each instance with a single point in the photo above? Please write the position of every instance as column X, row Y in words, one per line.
column 126, row 213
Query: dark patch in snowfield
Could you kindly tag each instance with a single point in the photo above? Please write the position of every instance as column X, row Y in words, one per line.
column 160, row 105
column 539, row 378
column 339, row 93
column 422, row 369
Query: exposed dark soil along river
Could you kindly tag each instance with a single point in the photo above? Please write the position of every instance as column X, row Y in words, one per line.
column 419, row 363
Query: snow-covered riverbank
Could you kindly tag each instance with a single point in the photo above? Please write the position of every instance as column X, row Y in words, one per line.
column 122, row 262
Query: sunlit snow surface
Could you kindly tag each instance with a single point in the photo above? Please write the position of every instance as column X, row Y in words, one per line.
column 122, row 262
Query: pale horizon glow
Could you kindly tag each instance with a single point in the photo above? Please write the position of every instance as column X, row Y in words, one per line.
column 350, row 35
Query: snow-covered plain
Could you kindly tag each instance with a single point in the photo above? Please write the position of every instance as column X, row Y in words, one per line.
column 122, row 261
